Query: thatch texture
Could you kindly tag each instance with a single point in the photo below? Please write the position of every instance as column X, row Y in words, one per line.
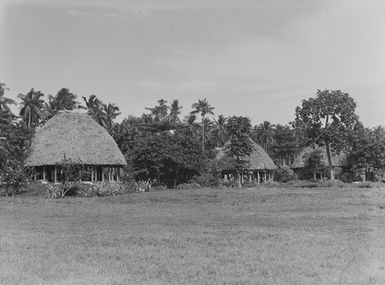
column 258, row 159
column 338, row 160
column 78, row 138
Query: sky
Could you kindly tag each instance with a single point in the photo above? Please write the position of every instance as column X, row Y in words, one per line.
column 252, row 58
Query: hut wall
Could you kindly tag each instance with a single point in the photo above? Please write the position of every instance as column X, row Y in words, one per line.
column 92, row 173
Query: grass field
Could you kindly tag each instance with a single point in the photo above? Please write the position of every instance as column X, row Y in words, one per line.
column 208, row 236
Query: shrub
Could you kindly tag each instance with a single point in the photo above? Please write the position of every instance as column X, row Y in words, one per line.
column 111, row 188
column 205, row 180
column 365, row 185
column 13, row 178
column 55, row 191
column 347, row 177
column 284, row 174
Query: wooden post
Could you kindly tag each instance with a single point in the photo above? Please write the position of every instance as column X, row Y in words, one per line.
column 102, row 174
column 258, row 177
column 55, row 175
column 264, row 177
column 34, row 174
column 109, row 174
column 43, row 172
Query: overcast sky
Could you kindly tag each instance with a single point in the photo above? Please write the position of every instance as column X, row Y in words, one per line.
column 253, row 58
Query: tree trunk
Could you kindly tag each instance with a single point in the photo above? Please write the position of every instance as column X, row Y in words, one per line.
column 329, row 161
column 203, row 134
column 239, row 179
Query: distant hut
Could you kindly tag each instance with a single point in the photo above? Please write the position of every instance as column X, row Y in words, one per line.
column 260, row 166
column 74, row 138
column 300, row 164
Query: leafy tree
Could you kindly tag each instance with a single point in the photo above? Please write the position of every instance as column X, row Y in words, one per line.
column 32, row 107
column 159, row 113
column 314, row 162
column 165, row 158
column 240, row 144
column 127, row 133
column 328, row 119
column 367, row 156
column 13, row 151
column 203, row 108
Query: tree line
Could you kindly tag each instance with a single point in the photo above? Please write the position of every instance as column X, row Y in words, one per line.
column 161, row 146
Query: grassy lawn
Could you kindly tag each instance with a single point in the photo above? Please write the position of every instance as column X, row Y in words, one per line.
column 208, row 236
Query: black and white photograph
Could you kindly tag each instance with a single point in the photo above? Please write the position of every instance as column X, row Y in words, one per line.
column 192, row 142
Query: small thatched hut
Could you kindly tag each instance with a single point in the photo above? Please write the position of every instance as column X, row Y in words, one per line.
column 299, row 165
column 260, row 166
column 73, row 137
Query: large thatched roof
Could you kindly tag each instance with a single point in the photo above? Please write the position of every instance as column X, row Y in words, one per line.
column 300, row 160
column 258, row 159
column 78, row 138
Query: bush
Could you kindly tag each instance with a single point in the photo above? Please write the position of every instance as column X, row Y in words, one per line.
column 99, row 189
column 347, row 177
column 365, row 185
column 205, row 180
column 13, row 178
column 284, row 174
column 112, row 188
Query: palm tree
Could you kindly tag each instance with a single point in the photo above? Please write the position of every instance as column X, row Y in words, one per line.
column 5, row 112
column 31, row 107
column 111, row 111
column 175, row 110
column 219, row 130
column 191, row 125
column 96, row 110
column 63, row 100
column 204, row 108
column 264, row 133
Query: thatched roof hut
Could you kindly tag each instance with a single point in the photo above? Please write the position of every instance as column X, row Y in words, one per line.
column 74, row 136
column 259, row 162
column 302, row 171
column 258, row 159
column 338, row 160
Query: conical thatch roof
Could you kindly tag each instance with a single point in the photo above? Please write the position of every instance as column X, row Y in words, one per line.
column 300, row 160
column 258, row 159
column 78, row 138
